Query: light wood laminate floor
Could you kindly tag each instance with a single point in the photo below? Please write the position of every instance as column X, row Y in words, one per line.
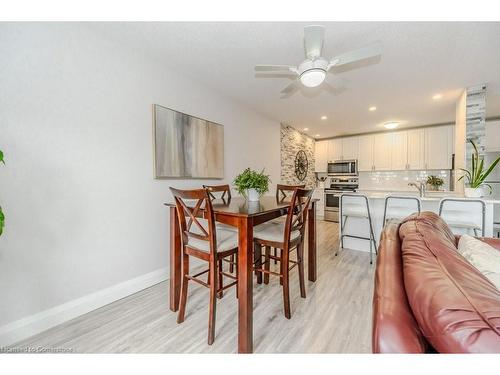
column 334, row 318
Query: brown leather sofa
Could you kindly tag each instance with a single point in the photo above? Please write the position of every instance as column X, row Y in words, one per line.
column 427, row 297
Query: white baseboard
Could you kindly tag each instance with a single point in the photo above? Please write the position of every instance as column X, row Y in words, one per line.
column 21, row 329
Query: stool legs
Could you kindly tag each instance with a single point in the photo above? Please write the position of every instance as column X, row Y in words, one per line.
column 213, row 302
column 300, row 260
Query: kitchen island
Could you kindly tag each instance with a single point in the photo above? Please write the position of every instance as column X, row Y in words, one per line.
column 376, row 198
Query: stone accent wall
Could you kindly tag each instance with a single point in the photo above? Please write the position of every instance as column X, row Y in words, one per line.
column 476, row 120
column 292, row 141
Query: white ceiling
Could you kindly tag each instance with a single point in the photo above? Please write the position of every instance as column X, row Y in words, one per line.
column 418, row 60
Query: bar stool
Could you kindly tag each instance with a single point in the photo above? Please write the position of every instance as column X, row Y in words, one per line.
column 464, row 214
column 288, row 237
column 201, row 239
column 225, row 197
column 356, row 205
column 402, row 207
column 283, row 192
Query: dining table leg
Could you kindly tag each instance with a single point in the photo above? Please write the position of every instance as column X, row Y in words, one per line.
column 175, row 260
column 312, row 272
column 245, row 285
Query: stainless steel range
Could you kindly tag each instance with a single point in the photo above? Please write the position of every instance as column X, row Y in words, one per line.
column 338, row 186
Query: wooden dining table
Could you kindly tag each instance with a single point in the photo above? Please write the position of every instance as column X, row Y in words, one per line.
column 243, row 215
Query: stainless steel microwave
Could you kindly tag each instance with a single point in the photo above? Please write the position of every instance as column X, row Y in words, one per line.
column 343, row 168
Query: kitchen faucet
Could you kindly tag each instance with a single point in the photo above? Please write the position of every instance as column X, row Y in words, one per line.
column 420, row 187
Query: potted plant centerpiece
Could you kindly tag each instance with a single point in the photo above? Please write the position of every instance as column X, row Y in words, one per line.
column 477, row 174
column 435, row 182
column 252, row 184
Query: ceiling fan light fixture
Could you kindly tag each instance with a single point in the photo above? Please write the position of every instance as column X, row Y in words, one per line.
column 313, row 77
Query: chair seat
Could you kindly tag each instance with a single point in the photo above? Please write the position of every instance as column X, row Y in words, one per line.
column 355, row 211
column 226, row 240
column 274, row 232
column 461, row 224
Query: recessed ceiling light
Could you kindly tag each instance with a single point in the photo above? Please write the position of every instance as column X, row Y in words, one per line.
column 391, row 125
column 371, row 109
column 437, row 96
column 306, row 129
column 317, row 135
column 324, row 117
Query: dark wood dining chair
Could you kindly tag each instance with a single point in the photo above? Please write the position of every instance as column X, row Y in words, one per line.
column 213, row 191
column 201, row 239
column 287, row 237
column 224, row 189
column 284, row 192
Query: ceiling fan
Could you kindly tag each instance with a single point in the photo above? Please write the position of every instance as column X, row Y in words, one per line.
column 313, row 70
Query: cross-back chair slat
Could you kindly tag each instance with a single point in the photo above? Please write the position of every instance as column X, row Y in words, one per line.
column 297, row 213
column 203, row 202
column 224, row 189
column 281, row 190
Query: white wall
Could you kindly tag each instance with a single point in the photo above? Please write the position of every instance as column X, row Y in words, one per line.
column 83, row 210
column 460, row 140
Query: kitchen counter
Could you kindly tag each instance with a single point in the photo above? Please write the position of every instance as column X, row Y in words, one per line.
column 376, row 198
column 429, row 196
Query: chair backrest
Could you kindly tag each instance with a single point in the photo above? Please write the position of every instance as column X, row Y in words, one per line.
column 190, row 222
column 400, row 206
column 354, row 203
column 466, row 211
column 224, row 189
column 296, row 217
column 281, row 191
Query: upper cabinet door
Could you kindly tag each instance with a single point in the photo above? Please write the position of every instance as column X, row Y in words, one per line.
column 493, row 136
column 321, row 156
column 350, row 148
column 399, row 157
column 334, row 149
column 438, row 147
column 365, row 153
column 416, row 150
column 382, row 151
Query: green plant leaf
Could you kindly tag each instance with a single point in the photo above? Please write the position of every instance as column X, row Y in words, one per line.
column 1, row 157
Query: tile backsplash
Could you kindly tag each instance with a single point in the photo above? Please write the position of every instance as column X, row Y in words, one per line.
column 398, row 180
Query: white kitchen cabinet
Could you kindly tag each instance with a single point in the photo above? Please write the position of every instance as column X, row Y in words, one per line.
column 493, row 136
column 416, row 150
column 382, row 151
column 321, row 156
column 399, row 154
column 438, row 147
column 350, row 148
column 334, row 149
column 365, row 153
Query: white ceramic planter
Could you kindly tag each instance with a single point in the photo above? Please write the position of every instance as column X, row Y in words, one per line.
column 252, row 195
column 473, row 192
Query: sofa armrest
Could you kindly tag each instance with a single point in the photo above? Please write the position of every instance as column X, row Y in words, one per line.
column 394, row 328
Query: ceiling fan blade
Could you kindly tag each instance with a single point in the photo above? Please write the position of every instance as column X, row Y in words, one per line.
column 372, row 50
column 275, row 68
column 313, row 40
column 289, row 90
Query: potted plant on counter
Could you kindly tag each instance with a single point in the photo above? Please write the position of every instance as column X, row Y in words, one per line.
column 477, row 174
column 435, row 183
column 252, row 184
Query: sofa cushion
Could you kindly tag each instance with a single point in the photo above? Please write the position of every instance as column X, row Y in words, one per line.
column 455, row 306
column 482, row 256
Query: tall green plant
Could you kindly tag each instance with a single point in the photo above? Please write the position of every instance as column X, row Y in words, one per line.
column 2, row 216
column 478, row 173
column 250, row 179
